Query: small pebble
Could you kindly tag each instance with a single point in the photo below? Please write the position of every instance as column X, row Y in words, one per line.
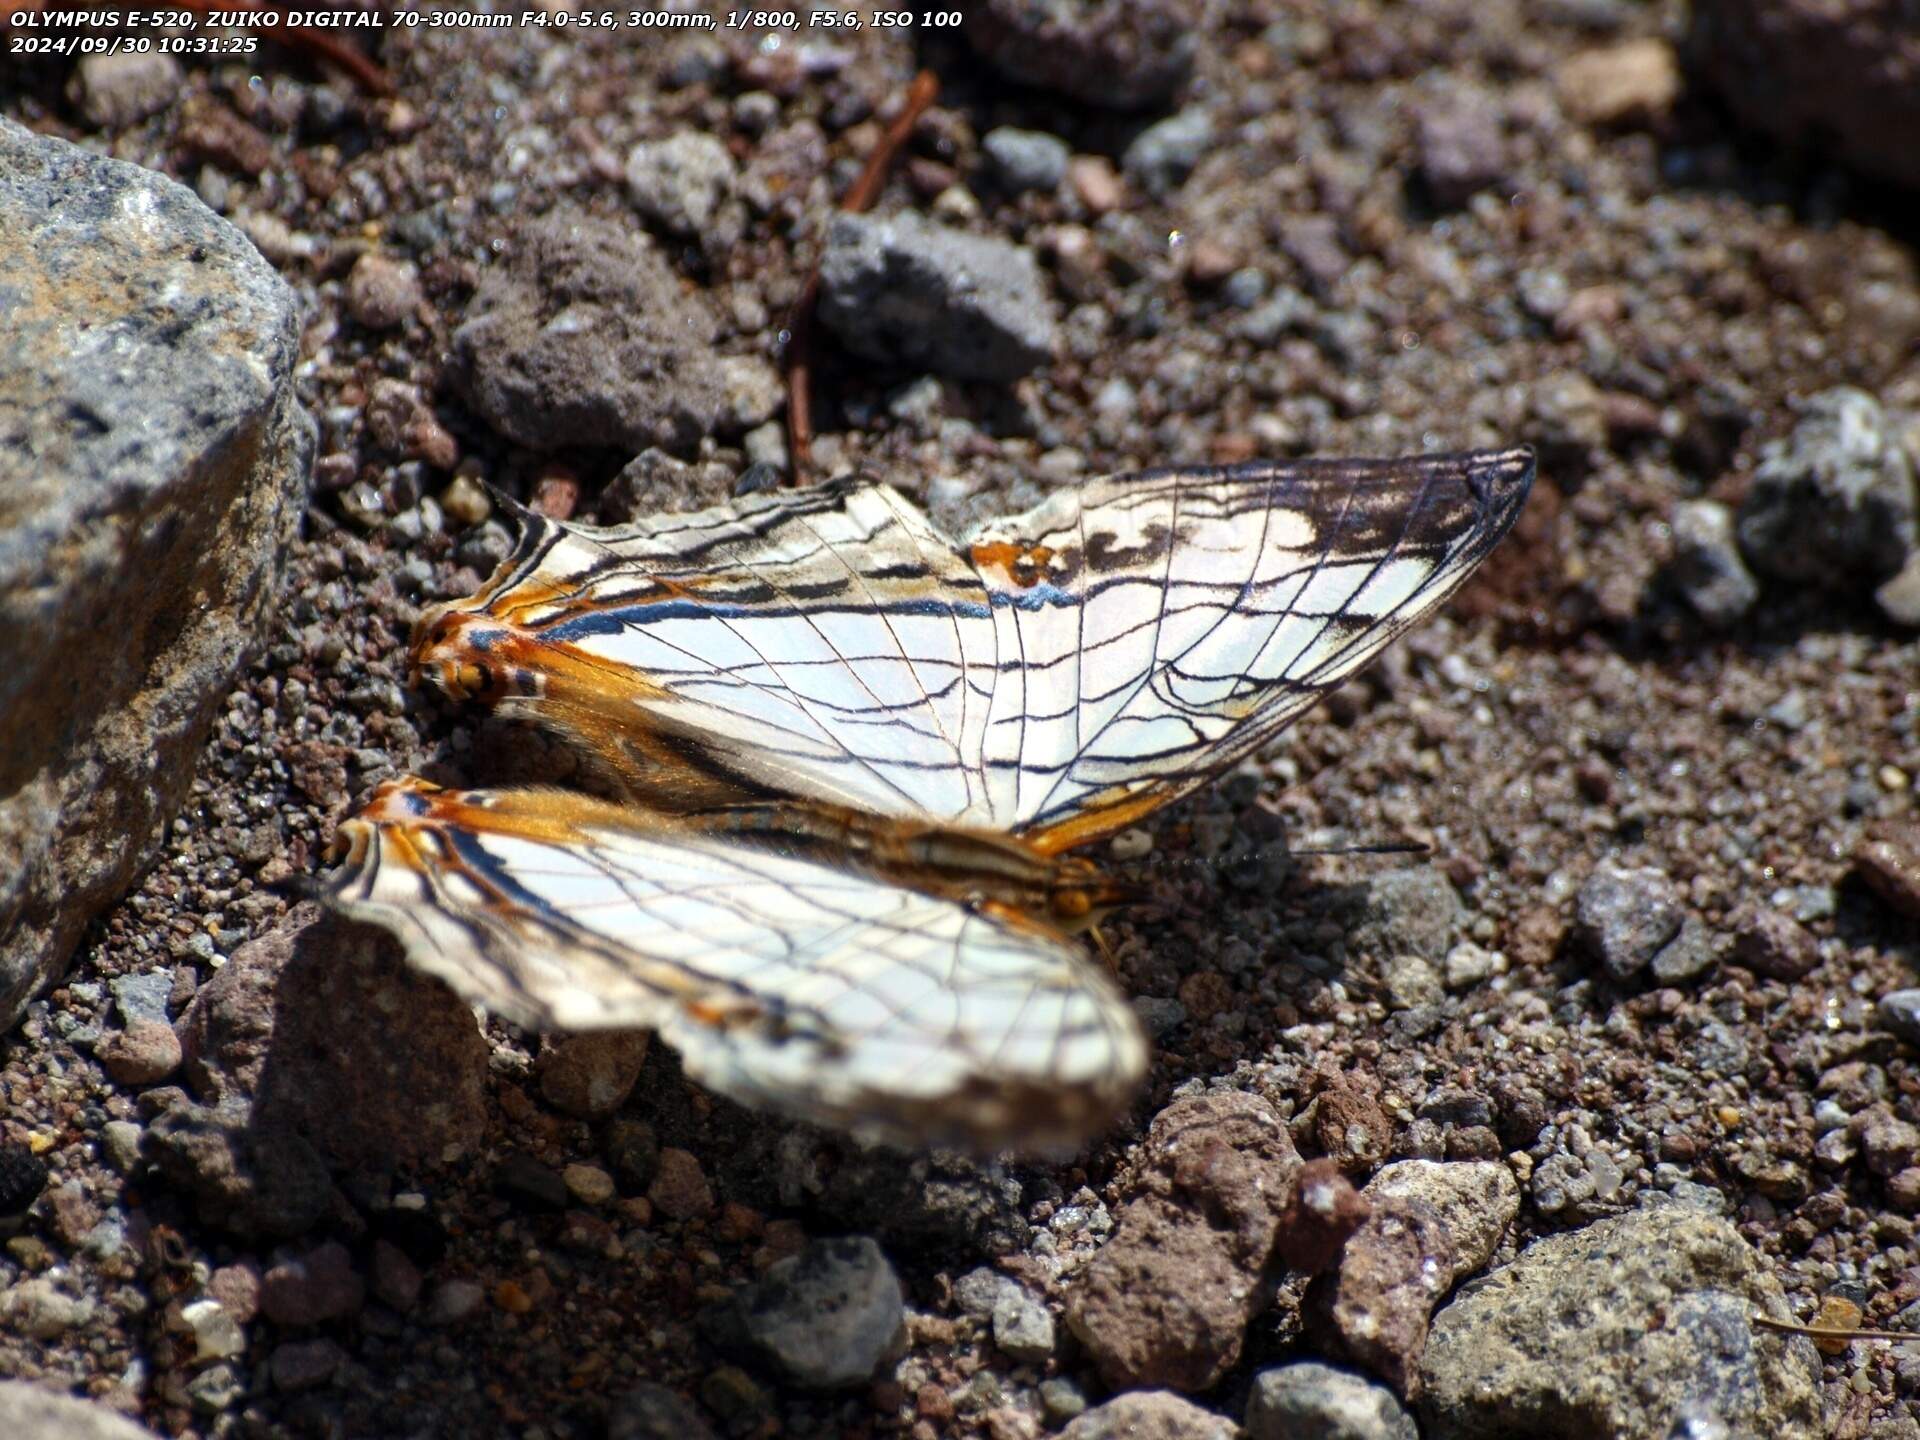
column 382, row 292
column 320, row 1285
column 588, row 1184
column 120, row 1143
column 1026, row 159
column 1888, row 859
column 1899, row 1014
column 466, row 501
column 216, row 1334
column 1638, row 80
column 1624, row 916
column 529, row 1184
column 145, row 1053
column 305, row 1364
column 453, row 1301
column 679, row 1190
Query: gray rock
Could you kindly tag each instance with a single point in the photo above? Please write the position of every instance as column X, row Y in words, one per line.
column 115, row 91
column 454, row 1301
column 28, row 1412
column 827, row 1317
column 1164, row 154
column 685, row 184
column 1026, row 159
column 1623, row 917
column 1461, row 146
column 1841, row 77
column 143, row 996
column 980, row 1290
column 653, row 1412
column 1707, row 569
column 1899, row 598
column 1061, row 1400
column 1899, row 1014
column 305, row 1364
column 1833, row 503
column 153, row 469
column 753, row 390
column 1476, row 1200
column 1687, row 957
column 1624, row 1329
column 1310, row 1401
column 1122, row 54
column 1566, row 419
column 1023, row 1328
column 38, row 1308
column 584, row 336
column 1415, row 911
column 1150, row 1415
column 908, row 292
column 120, row 1140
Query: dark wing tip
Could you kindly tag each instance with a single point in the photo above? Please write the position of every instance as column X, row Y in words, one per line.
column 1499, row 479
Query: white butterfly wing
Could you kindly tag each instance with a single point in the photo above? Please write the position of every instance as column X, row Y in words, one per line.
column 785, row 984
column 1062, row 673
column 826, row 643
column 1175, row 622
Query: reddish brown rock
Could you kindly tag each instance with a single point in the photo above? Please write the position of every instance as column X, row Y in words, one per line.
column 1888, row 859
column 1773, row 944
column 680, row 1190
column 1395, row 1271
column 144, row 1053
column 1324, row 1213
column 1167, row 1302
column 591, row 1075
column 320, row 1285
column 1348, row 1124
column 323, row 1029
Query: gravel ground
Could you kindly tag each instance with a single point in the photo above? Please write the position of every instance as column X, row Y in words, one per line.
column 1666, row 778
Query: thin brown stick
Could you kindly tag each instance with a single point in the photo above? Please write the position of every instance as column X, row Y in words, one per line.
column 362, row 71
column 860, row 196
column 1817, row 1332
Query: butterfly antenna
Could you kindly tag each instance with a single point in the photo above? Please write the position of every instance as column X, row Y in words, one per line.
column 1385, row 847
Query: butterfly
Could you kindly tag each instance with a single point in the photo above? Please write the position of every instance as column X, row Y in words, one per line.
column 853, row 758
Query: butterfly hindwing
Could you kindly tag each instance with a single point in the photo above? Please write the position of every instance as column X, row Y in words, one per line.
column 784, row 983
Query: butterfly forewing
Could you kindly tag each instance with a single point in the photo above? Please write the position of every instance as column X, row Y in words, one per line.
column 826, row 643
column 1060, row 673
column 784, row 983
column 1189, row 616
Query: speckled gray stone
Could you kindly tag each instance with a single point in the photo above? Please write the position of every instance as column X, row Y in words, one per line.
column 903, row 290
column 153, row 466
column 1624, row 1329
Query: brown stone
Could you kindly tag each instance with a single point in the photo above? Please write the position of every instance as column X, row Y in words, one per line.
column 1168, row 1300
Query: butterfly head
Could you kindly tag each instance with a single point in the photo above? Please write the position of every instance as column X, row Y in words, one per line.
column 468, row 655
